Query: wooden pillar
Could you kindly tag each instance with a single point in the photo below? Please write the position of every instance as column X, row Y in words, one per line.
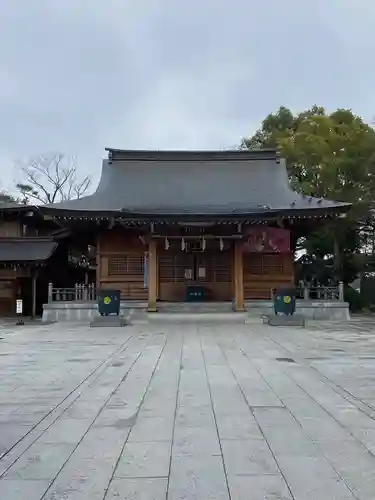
column 98, row 271
column 337, row 258
column 152, row 276
column 33, row 293
column 238, row 277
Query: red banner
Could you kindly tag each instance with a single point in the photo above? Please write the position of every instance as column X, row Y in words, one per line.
column 267, row 239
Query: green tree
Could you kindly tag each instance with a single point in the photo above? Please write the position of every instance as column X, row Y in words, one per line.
column 7, row 198
column 331, row 156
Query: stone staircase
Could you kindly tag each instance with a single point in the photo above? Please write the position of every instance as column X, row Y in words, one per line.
column 196, row 312
column 195, row 307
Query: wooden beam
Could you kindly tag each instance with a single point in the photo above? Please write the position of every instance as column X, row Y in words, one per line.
column 152, row 276
column 198, row 236
column 238, row 277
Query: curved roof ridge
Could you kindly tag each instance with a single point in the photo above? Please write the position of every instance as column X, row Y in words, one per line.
column 191, row 155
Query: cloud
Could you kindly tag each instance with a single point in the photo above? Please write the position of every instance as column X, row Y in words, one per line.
column 77, row 76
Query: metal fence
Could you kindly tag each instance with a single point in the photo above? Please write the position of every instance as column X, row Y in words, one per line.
column 317, row 292
column 79, row 293
column 87, row 293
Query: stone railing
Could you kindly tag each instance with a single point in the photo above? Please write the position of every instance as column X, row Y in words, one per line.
column 319, row 292
column 79, row 293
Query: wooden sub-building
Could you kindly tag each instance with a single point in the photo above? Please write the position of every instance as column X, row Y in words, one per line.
column 165, row 223
column 27, row 252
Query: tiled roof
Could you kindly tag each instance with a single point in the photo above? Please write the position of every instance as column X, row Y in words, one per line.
column 195, row 182
column 26, row 249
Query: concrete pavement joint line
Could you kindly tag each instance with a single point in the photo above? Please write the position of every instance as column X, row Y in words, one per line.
column 319, row 451
column 334, row 418
column 90, row 426
column 140, row 477
column 367, row 410
column 56, row 407
column 259, row 427
column 292, row 432
column 256, row 369
column 79, row 385
column 175, row 414
column 333, row 385
column 302, row 361
column 214, row 414
column 92, row 423
column 140, row 404
column 347, row 394
column 123, row 347
column 36, row 439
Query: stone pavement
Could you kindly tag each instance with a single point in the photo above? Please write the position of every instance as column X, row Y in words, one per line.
column 240, row 412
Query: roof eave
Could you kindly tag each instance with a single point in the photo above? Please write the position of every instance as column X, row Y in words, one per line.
column 234, row 214
column 24, row 241
column 21, row 209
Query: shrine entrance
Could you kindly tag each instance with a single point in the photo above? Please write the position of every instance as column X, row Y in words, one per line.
column 210, row 271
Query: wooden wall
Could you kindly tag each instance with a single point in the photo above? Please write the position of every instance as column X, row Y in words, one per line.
column 120, row 263
column 9, row 229
column 263, row 272
column 217, row 279
column 8, row 290
column 121, row 258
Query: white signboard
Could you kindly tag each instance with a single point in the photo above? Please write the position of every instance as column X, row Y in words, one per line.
column 188, row 274
column 19, row 306
column 202, row 272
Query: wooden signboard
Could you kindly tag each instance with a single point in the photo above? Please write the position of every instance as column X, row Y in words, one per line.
column 267, row 240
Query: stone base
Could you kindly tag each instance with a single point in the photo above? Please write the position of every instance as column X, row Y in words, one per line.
column 109, row 321
column 334, row 310
column 327, row 310
column 85, row 311
column 282, row 320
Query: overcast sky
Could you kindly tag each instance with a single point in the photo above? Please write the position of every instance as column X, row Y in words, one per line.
column 77, row 76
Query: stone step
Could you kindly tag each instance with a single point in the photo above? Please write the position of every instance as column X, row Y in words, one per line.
column 195, row 307
column 197, row 317
column 109, row 322
column 282, row 320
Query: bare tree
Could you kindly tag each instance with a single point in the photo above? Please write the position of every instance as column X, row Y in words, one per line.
column 51, row 178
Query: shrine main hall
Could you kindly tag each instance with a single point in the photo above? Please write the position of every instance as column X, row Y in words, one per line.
column 174, row 226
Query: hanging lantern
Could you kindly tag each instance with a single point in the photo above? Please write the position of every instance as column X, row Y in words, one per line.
column 183, row 246
column 166, row 244
column 203, row 244
column 221, row 244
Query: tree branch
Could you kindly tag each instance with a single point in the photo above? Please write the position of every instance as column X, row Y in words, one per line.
column 52, row 178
